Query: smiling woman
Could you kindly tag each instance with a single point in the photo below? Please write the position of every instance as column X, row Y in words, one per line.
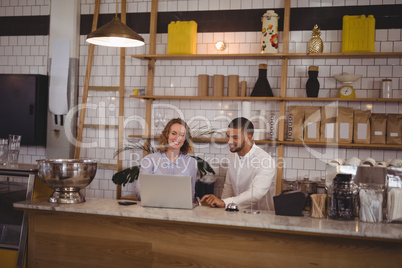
column 172, row 157
column 176, row 137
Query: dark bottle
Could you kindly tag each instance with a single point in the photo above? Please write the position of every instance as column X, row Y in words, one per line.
column 312, row 85
column 262, row 87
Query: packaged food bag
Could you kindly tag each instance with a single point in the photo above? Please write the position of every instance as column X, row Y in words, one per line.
column 328, row 124
column 361, row 126
column 378, row 128
column 312, row 123
column 394, row 128
column 394, row 194
column 344, row 125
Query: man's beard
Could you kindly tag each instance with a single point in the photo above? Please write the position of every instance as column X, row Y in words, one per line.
column 237, row 148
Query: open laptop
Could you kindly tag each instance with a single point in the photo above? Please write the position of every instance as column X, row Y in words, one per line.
column 166, row 191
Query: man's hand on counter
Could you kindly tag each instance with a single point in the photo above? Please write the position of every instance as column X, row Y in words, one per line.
column 213, row 201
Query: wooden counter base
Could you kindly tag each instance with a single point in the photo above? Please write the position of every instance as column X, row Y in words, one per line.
column 59, row 239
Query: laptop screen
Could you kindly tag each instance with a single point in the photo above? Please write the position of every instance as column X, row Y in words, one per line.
column 166, row 191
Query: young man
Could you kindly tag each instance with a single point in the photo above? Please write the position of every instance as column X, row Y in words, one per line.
column 250, row 178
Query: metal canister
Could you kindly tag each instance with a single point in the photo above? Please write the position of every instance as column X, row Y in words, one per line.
column 269, row 38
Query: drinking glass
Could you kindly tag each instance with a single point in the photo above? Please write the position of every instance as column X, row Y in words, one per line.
column 157, row 120
column 3, row 151
column 14, row 142
column 163, row 119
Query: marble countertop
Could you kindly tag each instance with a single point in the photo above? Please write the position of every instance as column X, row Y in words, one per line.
column 207, row 215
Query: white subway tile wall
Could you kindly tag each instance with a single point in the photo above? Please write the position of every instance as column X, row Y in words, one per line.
column 180, row 77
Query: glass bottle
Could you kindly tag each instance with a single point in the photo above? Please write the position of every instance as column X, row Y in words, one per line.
column 262, row 87
column 312, row 85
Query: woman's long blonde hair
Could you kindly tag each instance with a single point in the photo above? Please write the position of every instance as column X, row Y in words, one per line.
column 163, row 143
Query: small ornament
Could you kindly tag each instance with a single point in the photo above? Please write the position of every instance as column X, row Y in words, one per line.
column 315, row 45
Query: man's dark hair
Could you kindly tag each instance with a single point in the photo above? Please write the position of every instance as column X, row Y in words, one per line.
column 243, row 123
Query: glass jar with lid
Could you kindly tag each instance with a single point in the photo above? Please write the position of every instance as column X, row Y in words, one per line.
column 343, row 198
column 308, row 187
column 289, row 185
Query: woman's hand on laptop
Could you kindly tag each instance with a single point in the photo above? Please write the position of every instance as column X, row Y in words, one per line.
column 213, row 201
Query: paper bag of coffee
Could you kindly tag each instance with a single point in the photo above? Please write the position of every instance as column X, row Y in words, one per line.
column 361, row 126
column 328, row 124
column 378, row 128
column 312, row 121
column 394, row 128
column 344, row 125
column 295, row 122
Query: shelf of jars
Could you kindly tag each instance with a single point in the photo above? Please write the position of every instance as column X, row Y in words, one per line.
column 295, row 143
column 267, row 98
column 265, row 56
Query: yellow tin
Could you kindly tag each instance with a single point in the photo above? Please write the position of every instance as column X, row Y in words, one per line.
column 182, row 37
column 358, row 33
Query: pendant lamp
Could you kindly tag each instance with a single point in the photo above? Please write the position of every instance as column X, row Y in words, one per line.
column 115, row 34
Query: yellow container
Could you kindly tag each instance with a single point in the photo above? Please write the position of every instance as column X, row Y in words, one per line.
column 182, row 37
column 358, row 33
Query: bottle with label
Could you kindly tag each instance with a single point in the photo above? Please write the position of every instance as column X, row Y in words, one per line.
column 312, row 85
column 262, row 87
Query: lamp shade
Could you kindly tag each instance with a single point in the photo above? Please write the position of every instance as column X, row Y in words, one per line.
column 115, row 34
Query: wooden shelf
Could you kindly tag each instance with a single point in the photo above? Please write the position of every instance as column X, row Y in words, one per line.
column 344, row 55
column 341, row 99
column 206, row 98
column 283, row 101
column 295, row 143
column 208, row 56
column 265, row 56
column 266, row 98
column 334, row 144
column 202, row 140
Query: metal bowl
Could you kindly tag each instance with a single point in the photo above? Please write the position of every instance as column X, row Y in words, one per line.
column 347, row 78
column 67, row 177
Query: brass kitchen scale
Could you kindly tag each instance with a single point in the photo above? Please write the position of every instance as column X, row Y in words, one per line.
column 347, row 90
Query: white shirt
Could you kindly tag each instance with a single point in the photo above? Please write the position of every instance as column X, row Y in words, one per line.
column 257, row 169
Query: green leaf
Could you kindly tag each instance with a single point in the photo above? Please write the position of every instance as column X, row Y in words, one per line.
column 127, row 175
column 203, row 166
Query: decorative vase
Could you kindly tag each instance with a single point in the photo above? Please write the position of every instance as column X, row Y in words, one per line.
column 269, row 38
column 312, row 85
column 315, row 45
column 262, row 87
